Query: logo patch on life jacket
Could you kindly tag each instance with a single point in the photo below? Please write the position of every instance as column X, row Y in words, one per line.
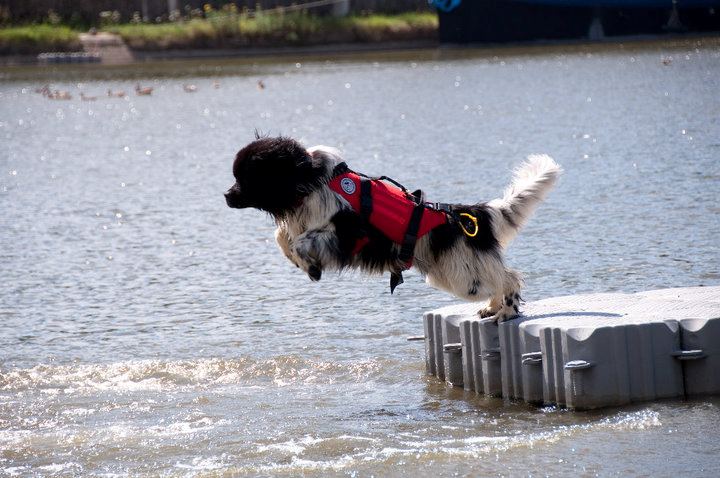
column 347, row 185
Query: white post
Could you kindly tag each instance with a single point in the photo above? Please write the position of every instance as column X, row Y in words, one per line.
column 145, row 12
column 341, row 8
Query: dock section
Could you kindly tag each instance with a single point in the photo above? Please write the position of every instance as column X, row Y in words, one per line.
column 583, row 351
column 108, row 47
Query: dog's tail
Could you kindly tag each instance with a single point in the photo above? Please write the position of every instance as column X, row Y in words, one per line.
column 531, row 183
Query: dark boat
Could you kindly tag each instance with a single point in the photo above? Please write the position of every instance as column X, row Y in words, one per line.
column 498, row 21
column 626, row 3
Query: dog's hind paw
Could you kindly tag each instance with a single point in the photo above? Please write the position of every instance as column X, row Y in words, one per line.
column 502, row 316
column 510, row 308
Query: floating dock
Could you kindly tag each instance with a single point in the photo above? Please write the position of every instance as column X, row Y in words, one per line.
column 583, row 351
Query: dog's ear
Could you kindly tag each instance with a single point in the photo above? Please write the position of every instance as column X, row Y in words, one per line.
column 310, row 174
column 325, row 156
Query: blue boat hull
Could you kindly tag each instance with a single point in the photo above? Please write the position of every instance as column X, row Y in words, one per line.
column 499, row 21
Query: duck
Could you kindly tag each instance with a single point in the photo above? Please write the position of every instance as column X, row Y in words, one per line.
column 216, row 84
column 143, row 91
column 85, row 97
column 666, row 61
column 59, row 95
column 260, row 85
column 115, row 94
column 189, row 88
column 45, row 90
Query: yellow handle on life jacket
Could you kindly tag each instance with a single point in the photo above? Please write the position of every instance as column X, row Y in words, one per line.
column 474, row 221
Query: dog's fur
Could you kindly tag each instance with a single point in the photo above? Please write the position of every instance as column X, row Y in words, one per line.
column 317, row 229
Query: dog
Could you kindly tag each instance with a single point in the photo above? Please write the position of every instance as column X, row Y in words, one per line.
column 319, row 228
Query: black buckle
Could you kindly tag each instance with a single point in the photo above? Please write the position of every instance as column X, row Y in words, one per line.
column 441, row 206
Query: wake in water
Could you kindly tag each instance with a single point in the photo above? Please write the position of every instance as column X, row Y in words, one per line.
column 155, row 375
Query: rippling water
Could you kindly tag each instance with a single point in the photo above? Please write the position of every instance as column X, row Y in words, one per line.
column 149, row 329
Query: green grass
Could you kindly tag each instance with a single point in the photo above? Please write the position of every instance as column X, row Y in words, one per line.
column 232, row 30
column 33, row 39
column 269, row 29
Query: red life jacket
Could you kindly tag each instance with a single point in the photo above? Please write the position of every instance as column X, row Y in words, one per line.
column 399, row 215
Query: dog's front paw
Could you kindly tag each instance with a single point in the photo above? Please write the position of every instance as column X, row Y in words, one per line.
column 314, row 272
column 306, row 258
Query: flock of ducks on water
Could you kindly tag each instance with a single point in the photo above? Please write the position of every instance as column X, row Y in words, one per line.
column 187, row 87
column 139, row 91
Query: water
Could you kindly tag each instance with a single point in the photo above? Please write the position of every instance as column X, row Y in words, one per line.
column 147, row 329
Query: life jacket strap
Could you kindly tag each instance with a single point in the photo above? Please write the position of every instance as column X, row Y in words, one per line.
column 366, row 202
column 407, row 249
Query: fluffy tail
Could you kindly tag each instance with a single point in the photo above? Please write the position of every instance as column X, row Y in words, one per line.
column 531, row 183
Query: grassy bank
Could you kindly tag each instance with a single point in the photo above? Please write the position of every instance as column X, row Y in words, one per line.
column 232, row 31
column 37, row 38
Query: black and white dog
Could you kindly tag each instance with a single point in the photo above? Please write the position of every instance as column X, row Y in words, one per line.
column 318, row 229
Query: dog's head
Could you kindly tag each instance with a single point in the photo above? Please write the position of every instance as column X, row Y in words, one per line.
column 274, row 175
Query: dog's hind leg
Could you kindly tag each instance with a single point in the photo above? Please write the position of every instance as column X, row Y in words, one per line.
column 506, row 305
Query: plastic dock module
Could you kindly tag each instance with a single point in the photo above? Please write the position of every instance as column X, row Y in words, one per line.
column 452, row 349
column 467, row 363
column 583, row 351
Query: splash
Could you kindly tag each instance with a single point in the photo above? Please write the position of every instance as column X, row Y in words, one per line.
column 156, row 375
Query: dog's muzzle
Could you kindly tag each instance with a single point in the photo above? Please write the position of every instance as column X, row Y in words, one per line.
column 234, row 199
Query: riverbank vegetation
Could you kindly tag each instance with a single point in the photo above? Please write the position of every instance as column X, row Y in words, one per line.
column 32, row 39
column 231, row 29
column 263, row 30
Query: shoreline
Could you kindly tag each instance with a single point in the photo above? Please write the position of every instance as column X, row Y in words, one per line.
column 144, row 56
column 141, row 57
column 198, row 61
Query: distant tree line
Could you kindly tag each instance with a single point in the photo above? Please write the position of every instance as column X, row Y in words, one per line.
column 94, row 12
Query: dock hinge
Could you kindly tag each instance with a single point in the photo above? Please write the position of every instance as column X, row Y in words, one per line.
column 532, row 358
column 578, row 365
column 689, row 354
column 490, row 354
column 452, row 348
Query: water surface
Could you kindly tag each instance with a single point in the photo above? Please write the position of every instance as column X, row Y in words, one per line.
column 149, row 329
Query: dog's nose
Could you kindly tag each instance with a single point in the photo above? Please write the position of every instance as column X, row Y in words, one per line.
column 234, row 200
column 229, row 198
